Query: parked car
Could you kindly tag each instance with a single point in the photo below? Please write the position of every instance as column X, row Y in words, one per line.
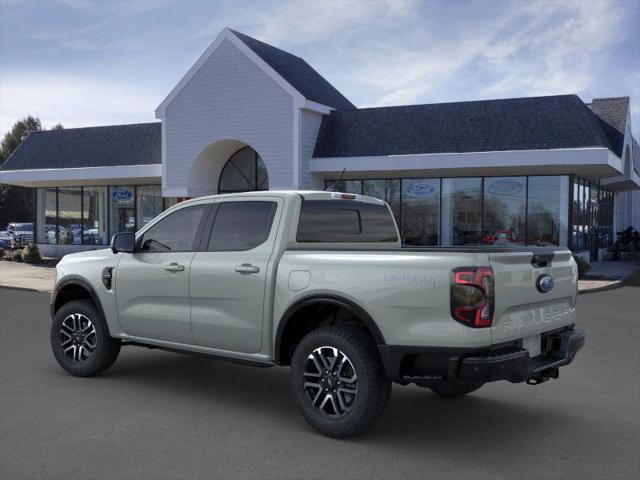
column 19, row 234
column 318, row 281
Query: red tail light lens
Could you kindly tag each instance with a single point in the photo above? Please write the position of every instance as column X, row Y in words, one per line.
column 472, row 298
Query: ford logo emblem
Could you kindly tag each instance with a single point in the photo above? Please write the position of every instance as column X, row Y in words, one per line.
column 544, row 283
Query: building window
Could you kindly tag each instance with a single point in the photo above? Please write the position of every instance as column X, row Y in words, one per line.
column 244, row 172
column 461, row 211
column 504, row 211
column 548, row 208
column 122, row 217
column 94, row 216
column 70, row 216
column 149, row 204
column 387, row 190
column 421, row 211
column 170, row 202
column 46, row 215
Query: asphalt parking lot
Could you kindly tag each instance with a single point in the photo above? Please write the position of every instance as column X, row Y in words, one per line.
column 157, row 415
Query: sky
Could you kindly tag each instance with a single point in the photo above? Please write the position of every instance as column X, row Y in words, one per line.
column 86, row 63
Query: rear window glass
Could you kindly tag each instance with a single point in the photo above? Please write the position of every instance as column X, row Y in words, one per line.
column 345, row 221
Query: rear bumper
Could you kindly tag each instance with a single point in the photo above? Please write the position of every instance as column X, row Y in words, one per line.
column 509, row 362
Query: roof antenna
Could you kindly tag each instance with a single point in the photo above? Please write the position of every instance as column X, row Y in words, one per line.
column 333, row 187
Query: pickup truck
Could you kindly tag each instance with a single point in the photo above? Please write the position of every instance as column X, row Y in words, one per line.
column 319, row 281
column 19, row 235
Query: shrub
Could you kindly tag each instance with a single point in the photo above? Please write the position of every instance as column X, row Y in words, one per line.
column 16, row 256
column 583, row 265
column 31, row 254
column 2, row 253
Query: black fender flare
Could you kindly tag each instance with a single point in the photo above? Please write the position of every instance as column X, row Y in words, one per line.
column 80, row 282
column 336, row 300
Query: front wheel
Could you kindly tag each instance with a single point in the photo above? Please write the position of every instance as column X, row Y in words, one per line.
column 80, row 339
column 338, row 381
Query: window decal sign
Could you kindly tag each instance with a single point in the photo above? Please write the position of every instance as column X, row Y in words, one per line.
column 506, row 187
column 422, row 190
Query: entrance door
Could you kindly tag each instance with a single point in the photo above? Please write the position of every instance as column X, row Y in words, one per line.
column 152, row 284
column 228, row 280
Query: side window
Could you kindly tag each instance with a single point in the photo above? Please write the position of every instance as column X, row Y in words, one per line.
column 241, row 225
column 176, row 232
column 345, row 221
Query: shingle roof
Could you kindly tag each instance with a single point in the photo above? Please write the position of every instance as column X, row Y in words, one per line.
column 534, row 123
column 613, row 116
column 108, row 146
column 298, row 73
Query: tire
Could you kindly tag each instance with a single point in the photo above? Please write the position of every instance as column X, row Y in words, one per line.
column 77, row 327
column 453, row 390
column 356, row 404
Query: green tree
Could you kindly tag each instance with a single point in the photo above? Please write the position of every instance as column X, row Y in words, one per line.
column 16, row 203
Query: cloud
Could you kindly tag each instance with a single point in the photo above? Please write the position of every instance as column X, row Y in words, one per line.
column 73, row 101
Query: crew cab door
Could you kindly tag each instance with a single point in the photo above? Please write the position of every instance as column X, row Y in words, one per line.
column 229, row 277
column 523, row 308
column 152, row 284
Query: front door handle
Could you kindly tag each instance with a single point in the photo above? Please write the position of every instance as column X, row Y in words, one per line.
column 247, row 268
column 174, row 267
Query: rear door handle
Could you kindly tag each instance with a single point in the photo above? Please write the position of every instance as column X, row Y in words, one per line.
column 174, row 267
column 247, row 268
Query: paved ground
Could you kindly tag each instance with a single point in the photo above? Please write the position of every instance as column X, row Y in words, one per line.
column 30, row 277
column 158, row 415
column 22, row 275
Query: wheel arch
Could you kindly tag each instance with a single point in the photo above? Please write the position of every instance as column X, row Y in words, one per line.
column 74, row 288
column 288, row 318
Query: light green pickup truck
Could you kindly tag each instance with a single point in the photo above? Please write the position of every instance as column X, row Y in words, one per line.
column 319, row 281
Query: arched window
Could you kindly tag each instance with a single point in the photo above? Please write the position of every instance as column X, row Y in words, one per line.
column 243, row 172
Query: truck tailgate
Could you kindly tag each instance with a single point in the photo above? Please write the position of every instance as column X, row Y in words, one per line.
column 522, row 308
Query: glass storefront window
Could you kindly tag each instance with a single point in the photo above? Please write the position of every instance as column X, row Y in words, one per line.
column 122, row 216
column 69, row 216
column 46, row 215
column 149, row 204
column 504, row 211
column 94, row 216
column 461, row 211
column 547, row 216
column 170, row 202
column 345, row 186
column 421, row 211
column 387, row 190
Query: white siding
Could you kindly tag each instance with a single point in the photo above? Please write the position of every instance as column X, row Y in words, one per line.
column 309, row 126
column 229, row 97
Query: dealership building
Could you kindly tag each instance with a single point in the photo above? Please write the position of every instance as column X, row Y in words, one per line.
column 247, row 116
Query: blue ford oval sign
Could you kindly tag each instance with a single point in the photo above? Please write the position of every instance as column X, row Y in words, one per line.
column 544, row 283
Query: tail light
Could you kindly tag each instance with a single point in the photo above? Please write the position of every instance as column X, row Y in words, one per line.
column 472, row 297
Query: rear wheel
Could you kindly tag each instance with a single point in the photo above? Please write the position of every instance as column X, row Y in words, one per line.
column 80, row 339
column 453, row 390
column 338, row 382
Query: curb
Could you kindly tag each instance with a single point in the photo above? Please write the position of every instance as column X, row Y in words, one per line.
column 26, row 289
column 612, row 286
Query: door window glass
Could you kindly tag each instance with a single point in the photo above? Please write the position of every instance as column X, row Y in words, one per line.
column 94, row 216
column 241, row 225
column 461, row 211
column 176, row 232
column 149, row 204
column 504, row 211
column 420, row 211
column 122, row 209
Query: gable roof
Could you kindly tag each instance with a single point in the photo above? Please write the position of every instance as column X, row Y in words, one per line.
column 109, row 146
column 292, row 73
column 612, row 113
column 298, row 73
column 533, row 123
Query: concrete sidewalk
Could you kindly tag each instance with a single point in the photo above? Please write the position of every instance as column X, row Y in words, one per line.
column 27, row 277
column 601, row 276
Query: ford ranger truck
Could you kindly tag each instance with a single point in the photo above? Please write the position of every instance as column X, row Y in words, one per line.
column 319, row 282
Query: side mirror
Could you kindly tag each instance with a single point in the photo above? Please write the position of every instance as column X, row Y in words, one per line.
column 123, row 242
